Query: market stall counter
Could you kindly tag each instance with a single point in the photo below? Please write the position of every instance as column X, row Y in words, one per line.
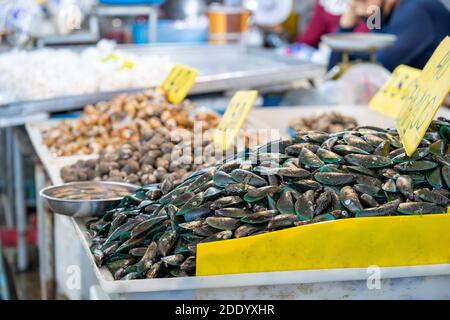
column 430, row 281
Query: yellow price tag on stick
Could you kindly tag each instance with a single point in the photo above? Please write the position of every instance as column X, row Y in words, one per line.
column 178, row 83
column 424, row 98
column 234, row 118
column 390, row 97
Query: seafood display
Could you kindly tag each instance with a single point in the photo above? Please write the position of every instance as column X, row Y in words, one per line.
column 126, row 118
column 159, row 154
column 47, row 73
column 310, row 178
column 327, row 122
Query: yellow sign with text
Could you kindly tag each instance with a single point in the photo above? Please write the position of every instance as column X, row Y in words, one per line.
column 424, row 98
column 346, row 243
column 177, row 84
column 234, row 118
column 390, row 97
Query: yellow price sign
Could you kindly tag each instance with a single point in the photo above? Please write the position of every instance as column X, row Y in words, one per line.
column 234, row 118
column 177, row 84
column 390, row 97
column 411, row 240
column 424, row 98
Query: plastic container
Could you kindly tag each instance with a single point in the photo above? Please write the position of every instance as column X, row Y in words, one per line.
column 411, row 282
column 227, row 23
column 170, row 31
column 140, row 31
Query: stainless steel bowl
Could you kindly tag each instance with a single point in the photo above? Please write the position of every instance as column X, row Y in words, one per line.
column 84, row 208
column 359, row 41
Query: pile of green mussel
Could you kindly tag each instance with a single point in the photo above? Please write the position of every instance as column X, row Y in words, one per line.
column 314, row 177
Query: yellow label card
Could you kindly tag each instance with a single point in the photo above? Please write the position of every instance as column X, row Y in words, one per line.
column 390, row 97
column 178, row 83
column 424, row 98
column 362, row 242
column 234, row 118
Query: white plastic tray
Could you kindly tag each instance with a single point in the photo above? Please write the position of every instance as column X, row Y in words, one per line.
column 34, row 130
column 430, row 282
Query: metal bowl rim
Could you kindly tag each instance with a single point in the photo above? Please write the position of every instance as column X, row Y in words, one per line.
column 42, row 192
column 358, row 35
column 373, row 39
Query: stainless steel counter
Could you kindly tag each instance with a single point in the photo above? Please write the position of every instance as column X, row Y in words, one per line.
column 221, row 68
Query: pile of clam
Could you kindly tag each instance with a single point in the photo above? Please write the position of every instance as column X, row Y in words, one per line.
column 313, row 177
column 126, row 118
column 327, row 122
column 158, row 155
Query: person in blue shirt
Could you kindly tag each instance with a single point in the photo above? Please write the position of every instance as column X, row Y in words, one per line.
column 420, row 25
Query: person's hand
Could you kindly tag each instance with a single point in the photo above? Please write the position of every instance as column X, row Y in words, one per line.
column 349, row 19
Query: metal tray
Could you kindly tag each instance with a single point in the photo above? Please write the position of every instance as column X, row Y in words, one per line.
column 222, row 68
column 35, row 128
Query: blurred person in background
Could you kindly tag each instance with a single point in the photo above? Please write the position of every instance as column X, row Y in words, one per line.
column 325, row 19
column 420, row 25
